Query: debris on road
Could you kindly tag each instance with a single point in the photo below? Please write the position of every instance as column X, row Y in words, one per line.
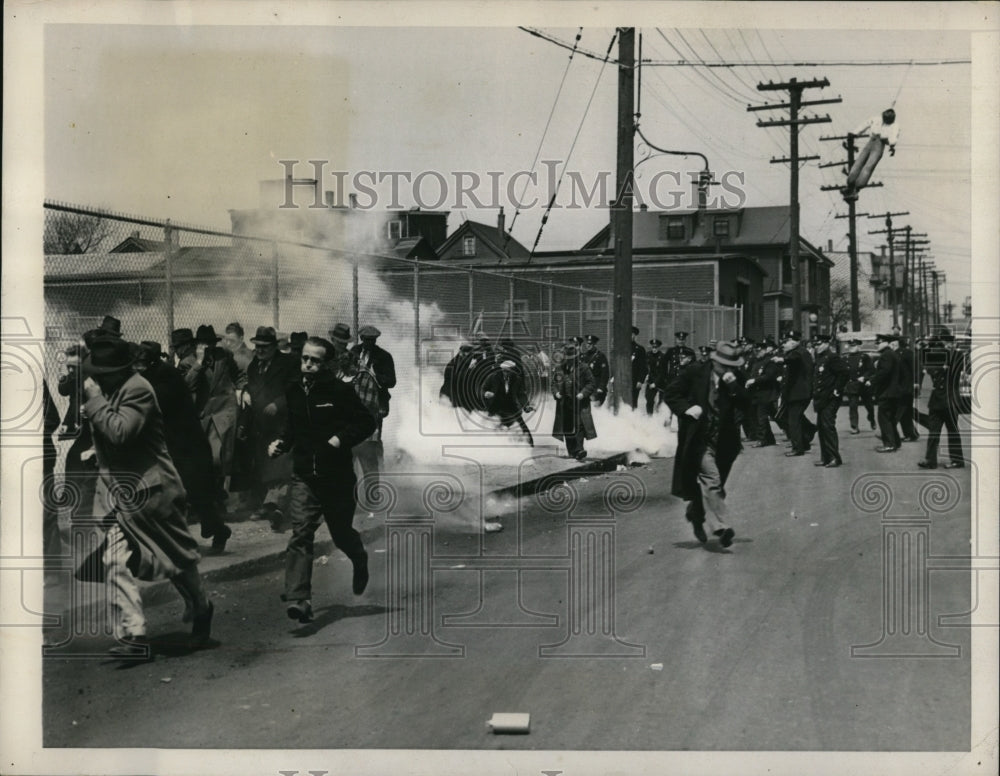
column 509, row 723
column 650, row 550
column 492, row 527
column 657, row 666
column 813, row 525
column 166, row 679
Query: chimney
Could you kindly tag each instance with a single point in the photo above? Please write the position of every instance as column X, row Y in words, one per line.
column 135, row 234
column 501, row 221
column 353, row 199
column 829, row 246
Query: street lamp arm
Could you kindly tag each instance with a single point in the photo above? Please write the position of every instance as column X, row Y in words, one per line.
column 655, row 147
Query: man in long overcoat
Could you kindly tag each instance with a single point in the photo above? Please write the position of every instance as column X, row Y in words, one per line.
column 829, row 378
column 858, row 389
column 705, row 397
column 908, row 371
column 796, row 392
column 268, row 377
column 763, row 387
column 140, row 491
column 945, row 365
column 887, row 388
column 572, row 385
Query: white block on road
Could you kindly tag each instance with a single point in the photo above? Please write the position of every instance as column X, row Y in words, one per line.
column 509, row 723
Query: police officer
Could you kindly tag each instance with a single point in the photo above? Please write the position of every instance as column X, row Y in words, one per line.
column 859, row 381
column 654, row 365
column 639, row 368
column 796, row 391
column 887, row 389
column 830, row 375
column 763, row 386
column 597, row 362
column 908, row 372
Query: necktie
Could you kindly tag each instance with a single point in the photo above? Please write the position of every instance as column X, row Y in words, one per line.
column 506, row 384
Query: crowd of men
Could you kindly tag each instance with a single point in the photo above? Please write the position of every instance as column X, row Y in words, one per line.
column 165, row 440
column 162, row 440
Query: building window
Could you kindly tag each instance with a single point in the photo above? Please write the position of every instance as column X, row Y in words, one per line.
column 671, row 228
column 395, row 230
column 469, row 246
column 720, row 227
column 598, row 308
column 520, row 308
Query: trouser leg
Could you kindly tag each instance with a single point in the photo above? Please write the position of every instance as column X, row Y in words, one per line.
column 954, row 439
column 712, row 493
column 934, row 423
column 764, row 434
column 906, row 417
column 525, row 429
column 306, row 516
column 828, row 443
column 852, row 410
column 887, row 422
column 338, row 507
column 121, row 588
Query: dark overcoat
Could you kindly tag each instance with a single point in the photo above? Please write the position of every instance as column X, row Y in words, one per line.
column 379, row 361
column 766, row 385
column 859, row 371
column 829, row 378
column 570, row 378
column 269, row 386
column 691, row 387
column 887, row 382
column 797, row 384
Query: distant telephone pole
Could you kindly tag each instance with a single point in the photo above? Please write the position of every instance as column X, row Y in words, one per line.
column 621, row 351
column 794, row 87
column 892, row 259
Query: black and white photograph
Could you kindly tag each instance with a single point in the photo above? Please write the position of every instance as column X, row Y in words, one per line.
column 439, row 388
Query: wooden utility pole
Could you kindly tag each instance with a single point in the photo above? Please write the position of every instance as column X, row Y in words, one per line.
column 794, row 88
column 852, row 216
column 892, row 260
column 621, row 216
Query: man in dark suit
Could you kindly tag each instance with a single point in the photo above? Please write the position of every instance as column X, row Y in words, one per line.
column 505, row 396
column 324, row 420
column 268, row 377
column 944, row 364
column 797, row 391
column 858, row 389
column 597, row 362
column 654, row 366
column 639, row 367
column 887, row 390
column 763, row 388
column 907, row 373
column 705, row 397
column 829, row 378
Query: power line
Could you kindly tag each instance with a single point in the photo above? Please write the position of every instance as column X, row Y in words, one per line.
column 859, row 63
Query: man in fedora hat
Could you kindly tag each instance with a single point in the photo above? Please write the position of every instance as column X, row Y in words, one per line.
column 598, row 365
column 572, row 385
column 859, row 380
column 140, row 491
column 325, row 419
column 268, row 377
column 796, row 392
column 110, row 327
column 705, row 397
column 830, row 375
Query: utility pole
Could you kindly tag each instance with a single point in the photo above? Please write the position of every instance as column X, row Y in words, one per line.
column 852, row 215
column 794, row 87
column 892, row 261
column 912, row 246
column 622, row 221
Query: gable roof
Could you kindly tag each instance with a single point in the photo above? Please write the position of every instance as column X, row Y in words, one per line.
column 133, row 244
column 500, row 244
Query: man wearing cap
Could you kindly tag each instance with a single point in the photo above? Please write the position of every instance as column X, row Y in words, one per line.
column 348, row 369
column 796, row 392
column 859, row 380
column 572, row 385
column 268, row 377
column 640, row 370
column 887, row 389
column 325, row 419
column 141, row 493
column 654, row 366
column 705, row 398
column 451, row 384
column 830, row 375
column 379, row 362
column 944, row 364
column 763, row 388
column 907, row 373
column 505, row 396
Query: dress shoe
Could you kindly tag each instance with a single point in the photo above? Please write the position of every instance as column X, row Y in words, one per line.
column 886, row 449
column 135, row 648
column 301, row 611
column 360, row 580
column 220, row 538
column 793, row 453
column 926, row 465
column 725, row 536
column 953, row 465
column 911, row 439
column 277, row 520
column 855, row 431
column 581, row 455
column 834, row 464
column 819, row 463
column 202, row 627
column 699, row 531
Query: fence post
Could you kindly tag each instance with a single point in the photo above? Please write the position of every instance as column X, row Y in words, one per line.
column 168, row 238
column 472, row 297
column 673, row 319
column 550, row 306
column 510, row 307
column 354, row 291
column 275, row 291
column 416, row 314
column 580, row 329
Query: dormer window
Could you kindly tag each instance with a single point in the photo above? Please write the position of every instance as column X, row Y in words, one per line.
column 720, row 227
column 469, row 246
column 672, row 227
column 395, row 230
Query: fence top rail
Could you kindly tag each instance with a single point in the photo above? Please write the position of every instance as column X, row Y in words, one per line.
column 353, row 255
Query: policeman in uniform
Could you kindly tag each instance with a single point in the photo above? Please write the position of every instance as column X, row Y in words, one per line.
column 673, row 361
column 763, row 386
column 748, row 415
column 597, row 362
column 654, row 365
column 859, row 382
column 639, row 367
column 704, row 352
column 830, row 375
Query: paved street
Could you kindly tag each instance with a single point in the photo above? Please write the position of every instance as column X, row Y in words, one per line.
column 755, row 641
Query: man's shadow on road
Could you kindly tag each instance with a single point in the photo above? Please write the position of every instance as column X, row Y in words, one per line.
column 712, row 545
column 331, row 614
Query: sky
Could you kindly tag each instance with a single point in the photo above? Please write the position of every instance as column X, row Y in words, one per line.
column 182, row 122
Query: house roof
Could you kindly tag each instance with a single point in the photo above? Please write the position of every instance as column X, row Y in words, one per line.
column 501, row 244
column 139, row 245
